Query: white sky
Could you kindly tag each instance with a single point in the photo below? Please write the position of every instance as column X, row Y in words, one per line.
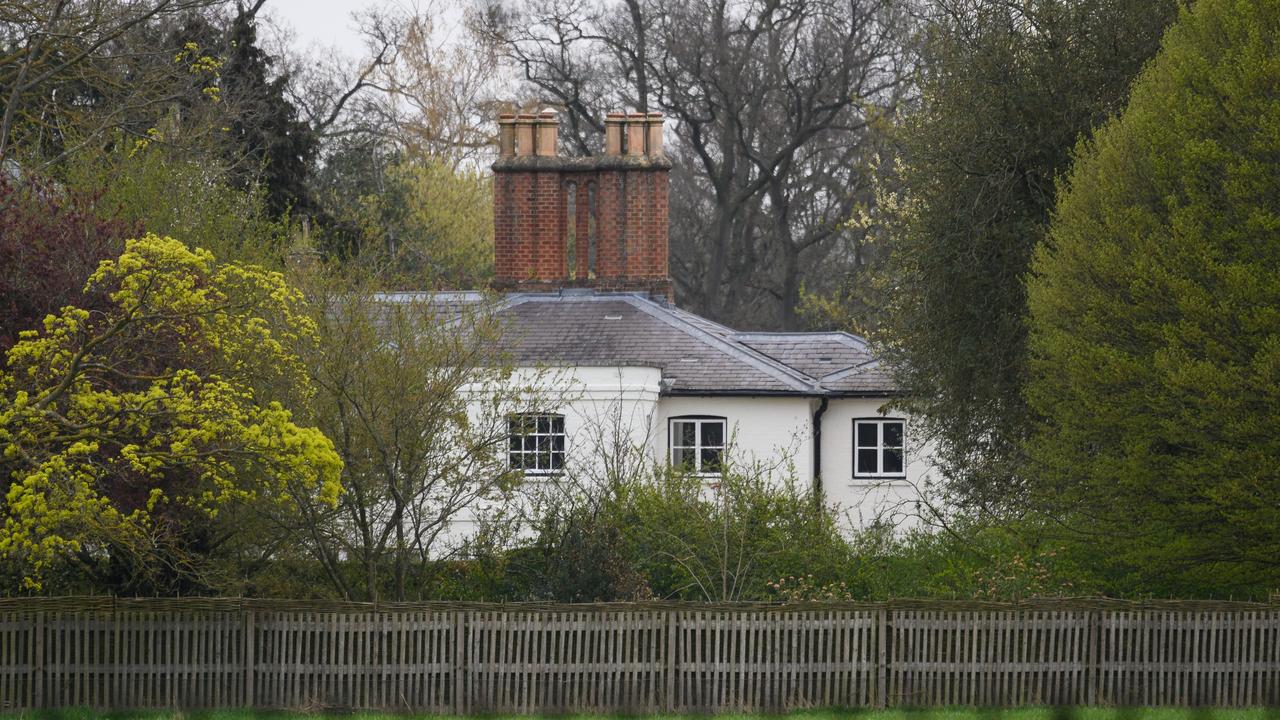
column 323, row 24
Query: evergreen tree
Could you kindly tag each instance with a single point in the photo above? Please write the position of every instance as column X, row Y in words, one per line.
column 279, row 148
column 1007, row 91
column 1155, row 318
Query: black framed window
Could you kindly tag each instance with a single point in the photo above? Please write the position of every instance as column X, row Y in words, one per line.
column 537, row 443
column 697, row 443
column 879, row 448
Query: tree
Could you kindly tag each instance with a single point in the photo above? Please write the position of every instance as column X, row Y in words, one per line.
column 1006, row 90
column 437, row 92
column 71, row 72
column 50, row 240
column 406, row 148
column 1155, row 318
column 169, row 192
column 417, row 396
column 129, row 435
column 431, row 226
column 775, row 108
column 269, row 144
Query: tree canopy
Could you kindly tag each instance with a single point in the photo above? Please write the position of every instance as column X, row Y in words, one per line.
column 1006, row 91
column 126, row 431
column 1155, row 317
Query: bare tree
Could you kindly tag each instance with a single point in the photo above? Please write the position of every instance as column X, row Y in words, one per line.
column 416, row 396
column 776, row 106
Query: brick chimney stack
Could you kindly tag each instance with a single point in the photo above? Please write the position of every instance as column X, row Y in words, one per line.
column 597, row 221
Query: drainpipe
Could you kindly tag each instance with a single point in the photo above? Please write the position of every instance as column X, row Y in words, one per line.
column 817, row 450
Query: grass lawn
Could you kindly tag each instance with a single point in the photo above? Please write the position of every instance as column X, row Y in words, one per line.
column 941, row 714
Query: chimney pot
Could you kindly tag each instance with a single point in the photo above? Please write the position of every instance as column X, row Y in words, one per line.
column 506, row 134
column 525, row 125
column 654, row 126
column 635, row 134
column 548, row 126
column 613, row 123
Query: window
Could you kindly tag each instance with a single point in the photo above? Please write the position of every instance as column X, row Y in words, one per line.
column 537, row 443
column 878, row 448
column 697, row 443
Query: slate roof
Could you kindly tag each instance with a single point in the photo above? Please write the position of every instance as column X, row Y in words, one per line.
column 696, row 355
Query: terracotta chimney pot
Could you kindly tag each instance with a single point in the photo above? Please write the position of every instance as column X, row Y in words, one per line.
column 635, row 134
column 506, row 135
column 525, row 125
column 654, row 126
column 548, row 126
column 613, row 123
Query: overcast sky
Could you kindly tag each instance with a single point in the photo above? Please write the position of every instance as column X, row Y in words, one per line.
column 323, row 23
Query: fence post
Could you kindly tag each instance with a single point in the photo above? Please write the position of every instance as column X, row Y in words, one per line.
column 882, row 659
column 1093, row 673
column 671, row 621
column 250, row 641
column 459, row 658
column 37, row 664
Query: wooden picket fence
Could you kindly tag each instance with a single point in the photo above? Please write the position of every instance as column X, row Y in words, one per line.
column 655, row 657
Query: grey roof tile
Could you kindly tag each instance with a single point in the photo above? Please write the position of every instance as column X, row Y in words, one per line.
column 695, row 355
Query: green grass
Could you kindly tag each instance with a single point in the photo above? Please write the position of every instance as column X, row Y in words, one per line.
column 940, row 714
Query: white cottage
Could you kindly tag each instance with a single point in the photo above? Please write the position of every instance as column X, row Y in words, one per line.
column 581, row 253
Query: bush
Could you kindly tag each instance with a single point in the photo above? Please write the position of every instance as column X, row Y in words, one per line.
column 675, row 536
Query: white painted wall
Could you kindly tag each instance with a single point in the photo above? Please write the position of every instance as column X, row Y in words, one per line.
column 609, row 407
column 864, row 501
column 773, row 432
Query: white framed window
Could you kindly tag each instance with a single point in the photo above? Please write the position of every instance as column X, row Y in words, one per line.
column 697, row 443
column 879, row 448
column 537, row 443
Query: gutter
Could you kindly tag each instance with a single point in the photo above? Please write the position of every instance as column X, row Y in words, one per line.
column 817, row 451
column 855, row 394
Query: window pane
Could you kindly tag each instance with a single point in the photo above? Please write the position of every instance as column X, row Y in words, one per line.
column 686, row 433
column 557, row 424
column 866, row 434
column 893, row 434
column 517, row 461
column 893, row 460
column 544, row 424
column 713, row 433
column 516, row 443
column 867, row 461
column 682, row 457
column 530, row 443
column 557, row 443
column 557, row 461
column 544, row 444
column 710, row 460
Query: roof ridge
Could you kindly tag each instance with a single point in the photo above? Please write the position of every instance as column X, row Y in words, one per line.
column 681, row 311
column 856, row 342
column 846, row 372
column 757, row 359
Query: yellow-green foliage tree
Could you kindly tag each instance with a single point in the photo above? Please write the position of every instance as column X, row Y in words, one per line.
column 127, row 432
